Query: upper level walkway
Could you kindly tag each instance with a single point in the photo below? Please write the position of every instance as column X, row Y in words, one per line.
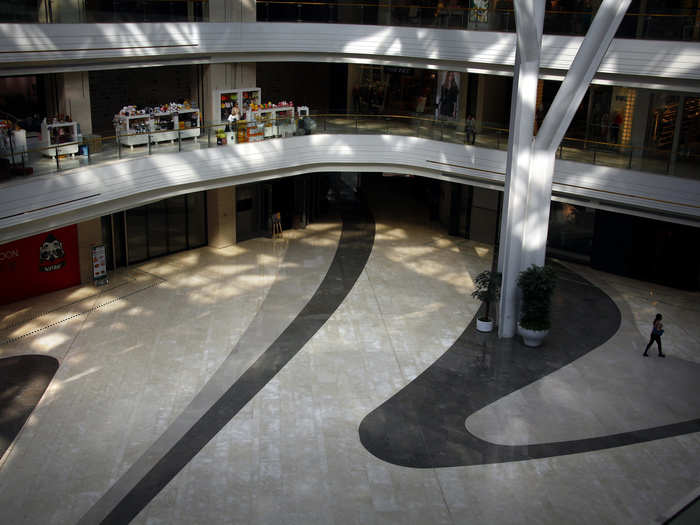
column 642, row 21
column 27, row 49
column 101, row 184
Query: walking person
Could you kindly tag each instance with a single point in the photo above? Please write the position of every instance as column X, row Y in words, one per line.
column 656, row 333
column 471, row 129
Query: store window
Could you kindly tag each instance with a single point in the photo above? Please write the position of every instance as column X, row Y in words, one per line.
column 196, row 220
column 570, row 231
column 177, row 224
column 157, row 229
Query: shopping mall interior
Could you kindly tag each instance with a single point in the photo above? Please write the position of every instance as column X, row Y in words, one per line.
column 239, row 243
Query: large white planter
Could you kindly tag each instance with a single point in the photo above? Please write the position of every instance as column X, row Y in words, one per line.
column 532, row 338
column 484, row 326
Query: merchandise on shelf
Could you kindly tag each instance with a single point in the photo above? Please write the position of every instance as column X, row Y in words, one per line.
column 249, row 118
column 160, row 123
column 56, row 131
column 234, row 102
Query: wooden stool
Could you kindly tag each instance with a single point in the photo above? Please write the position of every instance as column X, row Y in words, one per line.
column 276, row 225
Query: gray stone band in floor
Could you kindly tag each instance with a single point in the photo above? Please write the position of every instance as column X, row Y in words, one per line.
column 23, row 380
column 204, row 418
column 423, row 425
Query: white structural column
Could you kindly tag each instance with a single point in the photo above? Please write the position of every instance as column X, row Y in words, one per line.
column 529, row 15
column 530, row 167
column 74, row 98
column 232, row 74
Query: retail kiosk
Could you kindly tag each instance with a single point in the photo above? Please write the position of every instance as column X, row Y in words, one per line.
column 133, row 130
column 55, row 133
column 162, row 124
column 226, row 99
column 188, row 123
column 251, row 120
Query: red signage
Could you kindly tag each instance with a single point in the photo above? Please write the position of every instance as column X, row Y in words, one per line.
column 39, row 264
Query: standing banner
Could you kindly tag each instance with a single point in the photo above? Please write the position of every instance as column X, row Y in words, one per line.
column 39, row 264
column 99, row 264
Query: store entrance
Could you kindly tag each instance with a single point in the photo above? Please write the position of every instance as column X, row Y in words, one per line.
column 252, row 208
column 408, row 198
column 296, row 199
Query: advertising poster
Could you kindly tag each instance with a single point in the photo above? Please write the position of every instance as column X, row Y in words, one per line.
column 447, row 100
column 99, row 264
column 39, row 264
column 479, row 12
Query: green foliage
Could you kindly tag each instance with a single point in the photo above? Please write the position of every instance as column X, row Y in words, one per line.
column 488, row 288
column 537, row 284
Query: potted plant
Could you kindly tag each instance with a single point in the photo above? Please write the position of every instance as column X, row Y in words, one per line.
column 488, row 286
column 537, row 284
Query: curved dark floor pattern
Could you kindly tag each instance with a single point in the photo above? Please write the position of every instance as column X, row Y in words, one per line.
column 23, row 380
column 423, row 425
column 354, row 248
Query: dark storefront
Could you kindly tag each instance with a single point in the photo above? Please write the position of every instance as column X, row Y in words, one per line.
column 159, row 228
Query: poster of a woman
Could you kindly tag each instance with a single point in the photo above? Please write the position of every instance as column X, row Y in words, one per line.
column 447, row 101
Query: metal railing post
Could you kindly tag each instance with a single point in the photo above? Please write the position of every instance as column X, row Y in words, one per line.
column 149, row 142
column 58, row 165
column 119, row 146
column 179, row 140
column 595, row 150
column 629, row 162
column 87, row 148
column 209, row 137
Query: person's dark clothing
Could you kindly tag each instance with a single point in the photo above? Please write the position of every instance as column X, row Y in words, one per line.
column 448, row 100
column 656, row 333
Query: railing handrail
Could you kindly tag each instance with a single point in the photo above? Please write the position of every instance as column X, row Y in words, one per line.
column 414, row 121
column 680, row 11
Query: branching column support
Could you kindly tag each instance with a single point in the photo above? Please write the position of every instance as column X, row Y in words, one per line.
column 530, row 165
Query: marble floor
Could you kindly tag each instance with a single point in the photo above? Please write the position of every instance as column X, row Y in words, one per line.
column 236, row 385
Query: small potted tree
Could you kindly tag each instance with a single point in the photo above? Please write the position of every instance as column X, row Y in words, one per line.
column 537, row 284
column 488, row 286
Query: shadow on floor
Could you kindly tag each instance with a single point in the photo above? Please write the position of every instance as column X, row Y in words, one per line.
column 23, row 380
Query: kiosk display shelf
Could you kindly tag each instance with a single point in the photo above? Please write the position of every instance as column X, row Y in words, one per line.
column 266, row 119
column 57, row 133
column 188, row 123
column 225, row 100
column 13, row 143
column 255, row 131
column 164, row 126
column 134, row 129
column 277, row 121
column 285, row 121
